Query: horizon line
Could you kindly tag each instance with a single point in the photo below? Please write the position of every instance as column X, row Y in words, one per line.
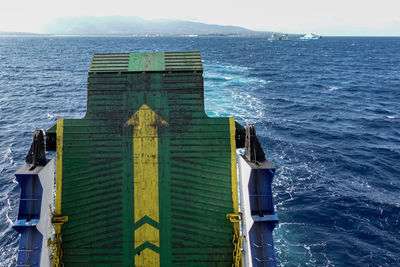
column 259, row 34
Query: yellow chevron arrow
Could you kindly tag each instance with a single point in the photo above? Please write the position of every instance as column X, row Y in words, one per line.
column 145, row 161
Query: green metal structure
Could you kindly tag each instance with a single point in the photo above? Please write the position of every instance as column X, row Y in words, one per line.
column 146, row 178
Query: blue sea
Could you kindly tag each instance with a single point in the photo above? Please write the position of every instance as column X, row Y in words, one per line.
column 327, row 114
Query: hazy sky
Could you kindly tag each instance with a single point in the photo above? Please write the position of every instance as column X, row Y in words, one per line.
column 329, row 17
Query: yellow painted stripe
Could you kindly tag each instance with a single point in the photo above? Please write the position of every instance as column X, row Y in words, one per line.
column 147, row 233
column 60, row 135
column 237, row 254
column 145, row 166
column 146, row 258
column 234, row 183
column 145, row 170
column 59, row 152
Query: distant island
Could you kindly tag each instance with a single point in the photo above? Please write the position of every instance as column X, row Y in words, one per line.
column 134, row 26
column 18, row 34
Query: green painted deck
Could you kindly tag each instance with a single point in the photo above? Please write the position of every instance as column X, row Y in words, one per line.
column 112, row 162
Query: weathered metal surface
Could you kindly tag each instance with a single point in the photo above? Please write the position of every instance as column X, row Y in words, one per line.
column 253, row 150
column 36, row 154
column 146, row 178
column 153, row 62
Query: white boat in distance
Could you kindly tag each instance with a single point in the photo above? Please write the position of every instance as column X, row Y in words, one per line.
column 310, row 36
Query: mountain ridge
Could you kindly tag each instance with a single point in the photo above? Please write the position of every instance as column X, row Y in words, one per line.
column 121, row 25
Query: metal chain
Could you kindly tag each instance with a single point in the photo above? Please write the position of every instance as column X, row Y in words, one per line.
column 56, row 244
column 237, row 240
column 57, row 252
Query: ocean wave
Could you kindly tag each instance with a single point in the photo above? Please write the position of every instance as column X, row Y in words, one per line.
column 391, row 117
column 220, row 96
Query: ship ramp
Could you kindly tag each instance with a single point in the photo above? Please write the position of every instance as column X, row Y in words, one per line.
column 146, row 178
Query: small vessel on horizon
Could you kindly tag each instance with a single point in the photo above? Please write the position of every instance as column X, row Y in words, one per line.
column 277, row 37
column 310, row 36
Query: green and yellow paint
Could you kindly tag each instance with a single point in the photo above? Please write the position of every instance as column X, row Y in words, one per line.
column 146, row 178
